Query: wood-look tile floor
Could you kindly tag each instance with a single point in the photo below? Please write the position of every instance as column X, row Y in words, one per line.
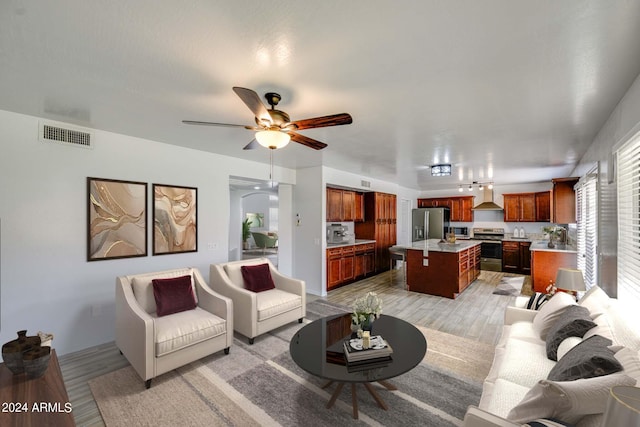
column 475, row 314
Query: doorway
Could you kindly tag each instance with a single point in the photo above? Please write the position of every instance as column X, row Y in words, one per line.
column 254, row 219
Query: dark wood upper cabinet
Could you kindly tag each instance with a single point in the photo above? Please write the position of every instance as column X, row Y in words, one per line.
column 564, row 200
column 461, row 206
column 334, row 204
column 359, row 207
column 348, row 205
column 344, row 205
column 543, row 206
column 520, row 207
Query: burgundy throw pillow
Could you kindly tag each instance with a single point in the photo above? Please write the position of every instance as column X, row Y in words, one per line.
column 173, row 295
column 257, row 278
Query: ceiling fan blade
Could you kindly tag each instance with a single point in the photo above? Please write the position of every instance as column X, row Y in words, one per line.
column 305, row 140
column 252, row 145
column 319, row 122
column 195, row 122
column 252, row 100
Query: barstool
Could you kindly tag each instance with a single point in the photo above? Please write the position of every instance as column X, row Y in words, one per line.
column 397, row 253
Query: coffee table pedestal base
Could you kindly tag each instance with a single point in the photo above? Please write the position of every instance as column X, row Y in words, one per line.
column 354, row 396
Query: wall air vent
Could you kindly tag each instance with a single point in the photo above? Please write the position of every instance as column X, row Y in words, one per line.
column 366, row 184
column 62, row 133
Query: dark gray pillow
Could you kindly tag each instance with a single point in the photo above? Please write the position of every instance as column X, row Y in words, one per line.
column 573, row 322
column 591, row 358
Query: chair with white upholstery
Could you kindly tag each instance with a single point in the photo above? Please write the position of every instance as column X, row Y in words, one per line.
column 168, row 319
column 264, row 308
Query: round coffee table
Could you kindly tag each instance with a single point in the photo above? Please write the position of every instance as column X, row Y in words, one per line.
column 309, row 350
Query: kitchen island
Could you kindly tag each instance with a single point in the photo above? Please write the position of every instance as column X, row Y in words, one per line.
column 442, row 269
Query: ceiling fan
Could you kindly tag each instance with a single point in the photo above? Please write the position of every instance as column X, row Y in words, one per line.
column 274, row 127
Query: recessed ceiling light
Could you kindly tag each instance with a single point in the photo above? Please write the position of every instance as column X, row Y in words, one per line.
column 256, row 187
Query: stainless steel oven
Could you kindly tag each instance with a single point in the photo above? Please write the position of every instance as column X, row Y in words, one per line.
column 490, row 247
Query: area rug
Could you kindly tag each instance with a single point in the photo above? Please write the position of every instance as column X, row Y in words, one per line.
column 509, row 285
column 261, row 385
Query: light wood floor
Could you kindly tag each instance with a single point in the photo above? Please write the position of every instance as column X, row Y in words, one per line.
column 476, row 314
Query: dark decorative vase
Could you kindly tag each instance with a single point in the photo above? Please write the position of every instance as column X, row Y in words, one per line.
column 36, row 361
column 13, row 351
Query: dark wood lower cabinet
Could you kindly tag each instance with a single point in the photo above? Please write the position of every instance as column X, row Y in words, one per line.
column 516, row 257
column 346, row 264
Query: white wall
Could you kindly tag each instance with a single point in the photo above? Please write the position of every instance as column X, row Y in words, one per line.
column 308, row 233
column 46, row 282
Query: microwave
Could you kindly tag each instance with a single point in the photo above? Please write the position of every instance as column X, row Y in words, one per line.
column 460, row 232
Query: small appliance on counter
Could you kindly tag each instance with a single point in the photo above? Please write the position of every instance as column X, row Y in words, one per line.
column 337, row 233
column 460, row 232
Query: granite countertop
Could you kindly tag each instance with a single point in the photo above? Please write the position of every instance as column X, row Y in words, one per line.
column 541, row 245
column 356, row 242
column 434, row 245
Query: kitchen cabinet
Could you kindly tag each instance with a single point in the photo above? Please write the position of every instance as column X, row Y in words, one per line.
column 342, row 205
column 545, row 265
column 334, row 204
column 334, row 267
column 461, row 206
column 516, row 257
column 359, row 207
column 348, row 263
column 519, row 207
column 564, row 200
column 380, row 225
column 543, row 206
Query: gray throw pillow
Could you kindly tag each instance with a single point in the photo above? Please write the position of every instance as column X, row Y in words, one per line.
column 591, row 358
column 575, row 321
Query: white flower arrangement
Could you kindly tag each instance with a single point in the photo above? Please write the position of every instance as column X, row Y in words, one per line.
column 366, row 309
column 553, row 230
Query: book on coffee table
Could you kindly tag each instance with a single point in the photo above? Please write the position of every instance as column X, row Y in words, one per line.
column 379, row 349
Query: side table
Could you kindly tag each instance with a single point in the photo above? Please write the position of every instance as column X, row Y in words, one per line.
column 35, row 401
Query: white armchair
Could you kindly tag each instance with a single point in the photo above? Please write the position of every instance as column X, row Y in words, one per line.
column 155, row 345
column 257, row 313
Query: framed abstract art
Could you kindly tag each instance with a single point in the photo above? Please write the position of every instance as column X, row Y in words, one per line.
column 116, row 219
column 175, row 212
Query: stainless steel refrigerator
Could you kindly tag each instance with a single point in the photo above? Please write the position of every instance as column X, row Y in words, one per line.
column 429, row 223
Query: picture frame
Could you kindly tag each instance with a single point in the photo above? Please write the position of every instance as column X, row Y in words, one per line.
column 116, row 219
column 175, row 213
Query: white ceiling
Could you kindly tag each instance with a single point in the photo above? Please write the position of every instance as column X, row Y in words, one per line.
column 508, row 90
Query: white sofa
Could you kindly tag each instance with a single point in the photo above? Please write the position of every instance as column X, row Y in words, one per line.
column 258, row 312
column 155, row 345
column 518, row 376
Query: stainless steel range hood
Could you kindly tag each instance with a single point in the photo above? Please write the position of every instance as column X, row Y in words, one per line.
column 487, row 202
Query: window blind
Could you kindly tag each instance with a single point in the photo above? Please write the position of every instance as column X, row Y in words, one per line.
column 587, row 226
column 628, row 177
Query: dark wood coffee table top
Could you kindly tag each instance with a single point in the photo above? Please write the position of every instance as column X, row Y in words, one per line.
column 308, row 349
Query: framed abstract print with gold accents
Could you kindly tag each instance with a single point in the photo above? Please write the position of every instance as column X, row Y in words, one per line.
column 116, row 219
column 175, row 213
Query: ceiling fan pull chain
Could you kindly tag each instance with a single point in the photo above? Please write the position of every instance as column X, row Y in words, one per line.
column 271, row 166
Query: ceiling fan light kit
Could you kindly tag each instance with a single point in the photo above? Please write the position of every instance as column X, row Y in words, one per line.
column 272, row 139
column 275, row 129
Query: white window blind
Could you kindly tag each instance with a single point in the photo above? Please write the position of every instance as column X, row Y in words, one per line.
column 628, row 177
column 587, row 226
